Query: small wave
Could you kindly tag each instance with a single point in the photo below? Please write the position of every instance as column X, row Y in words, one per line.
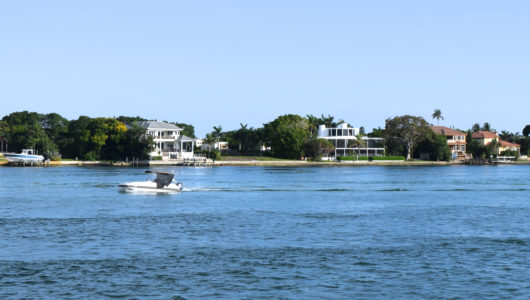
column 514, row 241
column 334, row 190
column 199, row 189
column 363, row 263
column 328, row 216
column 393, row 190
column 481, row 189
column 104, row 186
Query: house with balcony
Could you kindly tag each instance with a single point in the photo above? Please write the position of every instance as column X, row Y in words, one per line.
column 456, row 140
column 485, row 138
column 347, row 143
column 169, row 142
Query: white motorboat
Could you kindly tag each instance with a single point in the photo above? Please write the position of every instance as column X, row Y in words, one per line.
column 164, row 182
column 26, row 156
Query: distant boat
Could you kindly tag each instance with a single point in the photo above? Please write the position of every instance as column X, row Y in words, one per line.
column 26, row 156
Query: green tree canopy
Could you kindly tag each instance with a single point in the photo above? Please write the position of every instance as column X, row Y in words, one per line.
column 526, row 130
column 435, row 145
column 187, row 129
column 407, row 129
column 287, row 135
column 315, row 148
column 25, row 130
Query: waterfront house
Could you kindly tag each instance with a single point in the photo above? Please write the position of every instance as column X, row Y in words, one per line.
column 169, row 142
column 347, row 143
column 221, row 146
column 456, row 140
column 485, row 138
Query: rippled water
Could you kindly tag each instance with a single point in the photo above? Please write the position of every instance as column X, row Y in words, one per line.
column 255, row 232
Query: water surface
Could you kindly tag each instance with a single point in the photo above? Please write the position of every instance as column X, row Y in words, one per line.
column 267, row 232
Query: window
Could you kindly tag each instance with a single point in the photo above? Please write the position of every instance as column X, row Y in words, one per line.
column 333, row 132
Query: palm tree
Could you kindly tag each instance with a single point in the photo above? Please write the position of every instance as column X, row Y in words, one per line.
column 242, row 134
column 328, row 121
column 505, row 135
column 357, row 143
column 475, row 127
column 437, row 114
column 217, row 132
column 486, row 126
column 313, row 123
column 209, row 140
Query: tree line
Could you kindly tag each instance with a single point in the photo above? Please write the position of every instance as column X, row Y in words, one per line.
column 288, row 136
column 293, row 136
column 84, row 138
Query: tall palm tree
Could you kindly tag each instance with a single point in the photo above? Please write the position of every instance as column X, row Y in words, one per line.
column 475, row 127
column 242, row 134
column 313, row 123
column 486, row 127
column 505, row 135
column 209, row 140
column 328, row 121
column 217, row 132
column 437, row 114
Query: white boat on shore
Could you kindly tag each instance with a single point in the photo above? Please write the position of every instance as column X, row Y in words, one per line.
column 27, row 156
column 163, row 182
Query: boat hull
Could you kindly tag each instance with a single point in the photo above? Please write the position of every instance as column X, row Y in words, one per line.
column 149, row 186
column 23, row 158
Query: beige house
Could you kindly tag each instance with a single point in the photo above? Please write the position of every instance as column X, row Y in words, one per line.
column 485, row 138
column 455, row 139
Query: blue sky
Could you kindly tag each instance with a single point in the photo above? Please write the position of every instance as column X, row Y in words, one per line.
column 229, row 62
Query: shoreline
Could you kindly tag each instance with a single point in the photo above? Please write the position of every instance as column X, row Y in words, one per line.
column 259, row 163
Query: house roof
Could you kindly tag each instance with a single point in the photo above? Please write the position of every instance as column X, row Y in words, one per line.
column 442, row 130
column 508, row 144
column 484, row 135
column 183, row 138
column 157, row 125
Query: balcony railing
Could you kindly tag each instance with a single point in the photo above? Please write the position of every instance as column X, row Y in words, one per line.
column 167, row 137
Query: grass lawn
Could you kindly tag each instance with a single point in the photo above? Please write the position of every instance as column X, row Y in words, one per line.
column 241, row 157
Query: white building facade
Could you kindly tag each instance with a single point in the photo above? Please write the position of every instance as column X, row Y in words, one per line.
column 215, row 146
column 345, row 140
column 169, row 142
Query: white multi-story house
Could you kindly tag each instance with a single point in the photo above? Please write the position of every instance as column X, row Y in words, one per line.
column 344, row 138
column 169, row 142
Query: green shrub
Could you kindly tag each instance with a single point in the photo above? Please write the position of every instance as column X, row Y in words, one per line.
column 388, row 157
column 56, row 158
column 156, row 158
column 215, row 155
column 91, row 156
column 510, row 153
column 341, row 158
column 365, row 158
